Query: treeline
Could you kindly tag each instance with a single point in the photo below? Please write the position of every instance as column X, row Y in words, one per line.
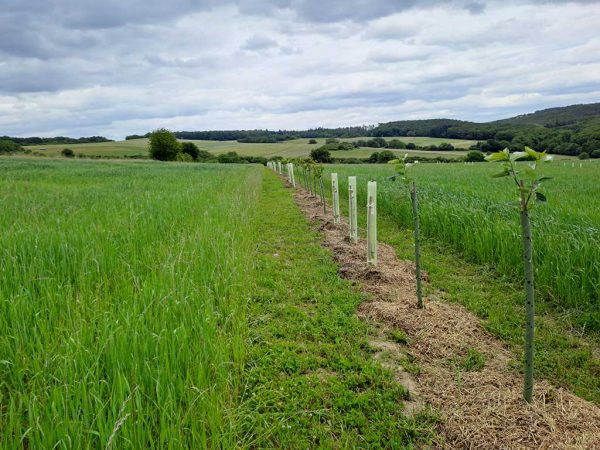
column 334, row 144
column 55, row 140
column 267, row 136
column 570, row 130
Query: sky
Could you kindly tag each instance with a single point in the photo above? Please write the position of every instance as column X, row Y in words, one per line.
column 119, row 67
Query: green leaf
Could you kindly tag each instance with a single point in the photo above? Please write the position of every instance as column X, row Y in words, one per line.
column 518, row 155
column 394, row 161
column 531, row 152
column 505, row 172
column 504, row 155
column 539, row 197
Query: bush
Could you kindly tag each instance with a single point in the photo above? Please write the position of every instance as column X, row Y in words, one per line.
column 204, row 156
column 184, row 157
column 229, row 158
column 584, row 155
column 320, row 155
column 8, row 146
column 475, row 156
column 444, row 146
column 67, row 153
column 385, row 156
column 396, row 143
column 411, row 146
column 595, row 154
column 191, row 149
column 345, row 146
column 312, row 141
column 373, row 158
column 331, row 141
column 164, row 145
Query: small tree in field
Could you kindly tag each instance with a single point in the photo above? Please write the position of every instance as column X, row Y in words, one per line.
column 164, row 145
column 527, row 182
column 320, row 155
column 191, row 149
column 67, row 153
column 402, row 173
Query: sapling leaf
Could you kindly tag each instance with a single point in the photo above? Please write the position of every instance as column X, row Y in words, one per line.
column 516, row 156
column 539, row 197
column 504, row 155
column 505, row 172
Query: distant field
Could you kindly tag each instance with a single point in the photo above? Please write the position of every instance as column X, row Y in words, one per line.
column 291, row 149
column 297, row 148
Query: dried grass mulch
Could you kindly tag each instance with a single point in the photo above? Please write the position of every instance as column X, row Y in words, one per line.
column 480, row 409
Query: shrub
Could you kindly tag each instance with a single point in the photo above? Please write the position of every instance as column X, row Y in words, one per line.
column 396, row 143
column 8, row 146
column 191, row 149
column 184, row 157
column 312, row 141
column 67, row 153
column 229, row 158
column 475, row 156
column 595, row 154
column 385, row 156
column 411, row 146
column 331, row 141
column 445, row 146
column 584, row 155
column 204, row 156
column 320, row 155
column 164, row 145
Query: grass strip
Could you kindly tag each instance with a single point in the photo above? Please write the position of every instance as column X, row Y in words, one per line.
column 310, row 380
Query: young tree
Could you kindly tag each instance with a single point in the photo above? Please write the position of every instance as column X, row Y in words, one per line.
column 402, row 167
column 527, row 182
column 164, row 145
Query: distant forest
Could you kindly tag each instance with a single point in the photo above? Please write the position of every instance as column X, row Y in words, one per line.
column 570, row 130
column 54, row 140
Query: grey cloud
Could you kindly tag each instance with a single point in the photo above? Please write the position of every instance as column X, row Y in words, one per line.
column 105, row 67
column 259, row 42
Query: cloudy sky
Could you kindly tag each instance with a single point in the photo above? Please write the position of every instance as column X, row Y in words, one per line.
column 117, row 67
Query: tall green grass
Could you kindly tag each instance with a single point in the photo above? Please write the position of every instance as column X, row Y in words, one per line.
column 121, row 302
column 461, row 205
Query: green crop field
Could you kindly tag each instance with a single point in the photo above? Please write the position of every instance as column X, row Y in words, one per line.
column 462, row 205
column 120, row 296
column 148, row 305
column 183, row 305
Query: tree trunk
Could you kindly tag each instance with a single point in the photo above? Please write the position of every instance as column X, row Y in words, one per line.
column 323, row 195
column 417, row 233
column 530, row 301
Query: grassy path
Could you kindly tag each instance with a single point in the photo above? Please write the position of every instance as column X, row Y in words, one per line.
column 310, row 379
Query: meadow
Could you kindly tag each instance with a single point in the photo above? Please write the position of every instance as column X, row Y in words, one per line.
column 170, row 305
column 463, row 206
column 120, row 307
column 297, row 148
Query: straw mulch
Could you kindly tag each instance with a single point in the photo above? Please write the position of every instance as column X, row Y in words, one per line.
column 481, row 408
